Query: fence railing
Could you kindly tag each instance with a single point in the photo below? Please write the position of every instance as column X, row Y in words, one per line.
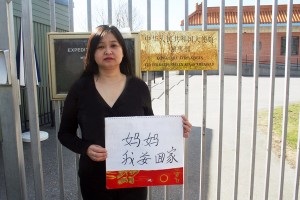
column 45, row 110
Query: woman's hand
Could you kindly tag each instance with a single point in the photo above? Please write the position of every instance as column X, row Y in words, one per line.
column 187, row 126
column 96, row 153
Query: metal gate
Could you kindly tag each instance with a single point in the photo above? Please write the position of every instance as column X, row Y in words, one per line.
column 227, row 156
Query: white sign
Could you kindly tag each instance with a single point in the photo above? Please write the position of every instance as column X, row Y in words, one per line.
column 144, row 143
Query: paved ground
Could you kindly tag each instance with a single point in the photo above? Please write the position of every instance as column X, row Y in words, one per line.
column 195, row 116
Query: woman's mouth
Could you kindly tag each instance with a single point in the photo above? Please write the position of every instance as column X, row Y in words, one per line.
column 108, row 58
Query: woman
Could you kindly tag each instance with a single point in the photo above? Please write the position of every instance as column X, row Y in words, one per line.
column 105, row 89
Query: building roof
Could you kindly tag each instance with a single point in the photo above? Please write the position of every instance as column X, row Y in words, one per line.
column 231, row 15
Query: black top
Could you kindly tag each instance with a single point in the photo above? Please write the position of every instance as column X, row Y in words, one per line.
column 85, row 107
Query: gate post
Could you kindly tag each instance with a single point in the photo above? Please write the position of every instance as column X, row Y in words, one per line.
column 12, row 147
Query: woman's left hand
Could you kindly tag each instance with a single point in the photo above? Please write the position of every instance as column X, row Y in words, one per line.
column 187, row 127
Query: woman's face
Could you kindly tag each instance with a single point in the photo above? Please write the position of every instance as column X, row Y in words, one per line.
column 109, row 54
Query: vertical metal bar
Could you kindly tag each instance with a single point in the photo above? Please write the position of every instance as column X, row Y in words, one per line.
column 77, row 157
column 57, row 115
column 186, row 15
column 59, row 151
column 59, row 146
column 204, row 15
column 130, row 14
column 166, row 15
column 272, row 92
column 256, row 74
column 89, row 15
column 71, row 19
column 167, row 109
column 32, row 98
column 296, row 187
column 202, row 189
column 286, row 97
column 149, row 28
column 186, row 73
column 221, row 82
column 149, row 73
column 109, row 9
column 166, row 74
column 148, row 14
column 12, row 146
column 239, row 97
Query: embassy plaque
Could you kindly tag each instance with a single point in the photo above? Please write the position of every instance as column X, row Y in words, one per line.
column 179, row 50
column 66, row 54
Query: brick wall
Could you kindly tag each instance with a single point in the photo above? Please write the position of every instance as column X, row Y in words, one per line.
column 248, row 48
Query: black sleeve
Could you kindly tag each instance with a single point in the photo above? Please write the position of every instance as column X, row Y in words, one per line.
column 67, row 133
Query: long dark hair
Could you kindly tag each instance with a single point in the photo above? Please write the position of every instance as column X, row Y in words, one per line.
column 91, row 67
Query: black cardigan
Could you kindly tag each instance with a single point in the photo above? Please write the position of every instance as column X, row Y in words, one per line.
column 85, row 107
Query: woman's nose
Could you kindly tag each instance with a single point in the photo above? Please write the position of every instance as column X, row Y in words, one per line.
column 107, row 51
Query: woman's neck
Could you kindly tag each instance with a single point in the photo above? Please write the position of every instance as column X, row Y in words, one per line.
column 109, row 77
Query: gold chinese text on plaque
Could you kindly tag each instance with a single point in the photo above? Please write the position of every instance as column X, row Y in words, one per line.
column 179, row 50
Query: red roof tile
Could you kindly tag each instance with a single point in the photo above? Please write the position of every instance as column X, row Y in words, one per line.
column 213, row 15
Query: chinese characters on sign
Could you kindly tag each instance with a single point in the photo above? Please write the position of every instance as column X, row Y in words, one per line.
column 179, row 50
column 144, row 158
column 144, row 151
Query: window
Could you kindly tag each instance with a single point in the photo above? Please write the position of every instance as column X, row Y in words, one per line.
column 294, row 45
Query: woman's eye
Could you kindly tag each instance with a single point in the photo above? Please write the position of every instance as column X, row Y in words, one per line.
column 100, row 47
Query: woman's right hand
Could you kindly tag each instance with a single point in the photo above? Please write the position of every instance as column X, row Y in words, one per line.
column 96, row 153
